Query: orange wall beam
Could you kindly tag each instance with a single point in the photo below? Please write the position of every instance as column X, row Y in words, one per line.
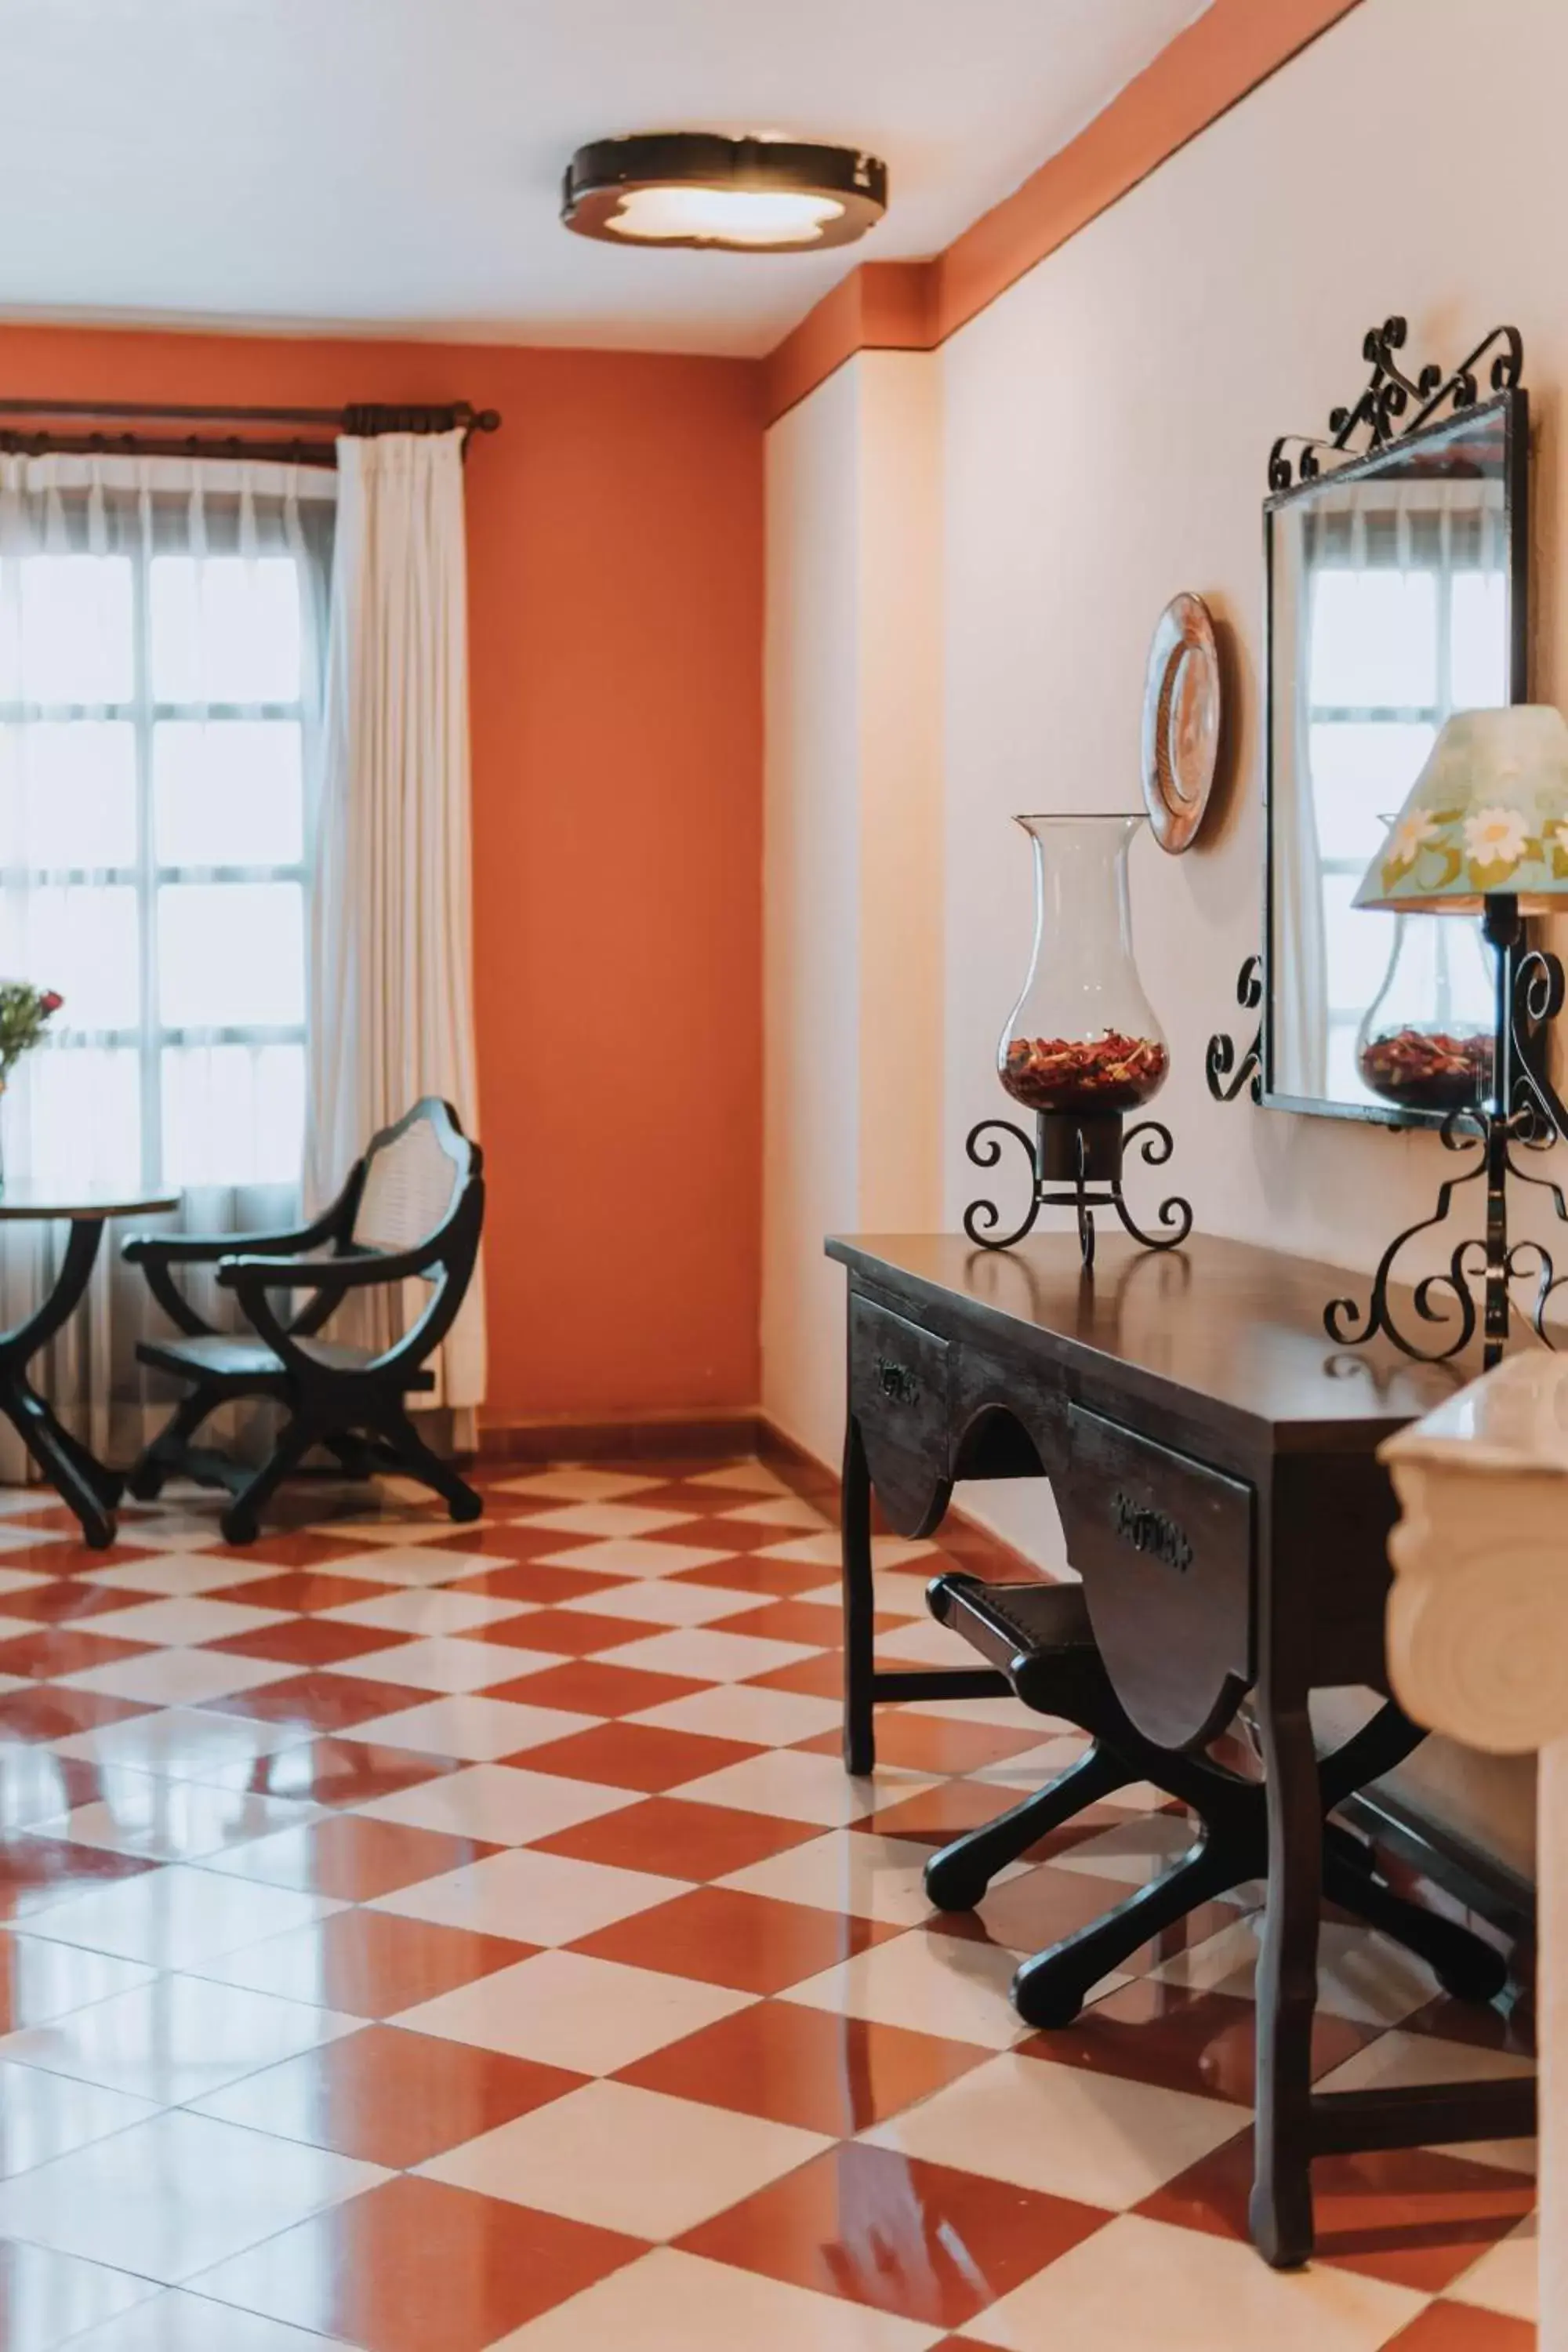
column 914, row 306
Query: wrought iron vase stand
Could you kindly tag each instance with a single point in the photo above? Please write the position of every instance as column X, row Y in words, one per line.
column 1075, row 1163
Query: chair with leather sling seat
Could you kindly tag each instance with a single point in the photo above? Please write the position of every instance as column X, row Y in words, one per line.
column 412, row 1208
column 1039, row 1636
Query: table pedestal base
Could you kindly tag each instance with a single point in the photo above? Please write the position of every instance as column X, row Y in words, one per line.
column 77, row 1477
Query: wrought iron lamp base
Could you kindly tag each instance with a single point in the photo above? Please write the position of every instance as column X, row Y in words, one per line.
column 1075, row 1163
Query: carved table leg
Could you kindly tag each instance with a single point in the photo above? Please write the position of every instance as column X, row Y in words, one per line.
column 859, row 1738
column 1281, row 2207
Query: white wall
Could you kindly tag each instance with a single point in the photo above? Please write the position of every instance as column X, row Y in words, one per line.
column 1104, row 428
column 811, row 873
column 852, row 858
column 1107, row 424
column 1104, row 431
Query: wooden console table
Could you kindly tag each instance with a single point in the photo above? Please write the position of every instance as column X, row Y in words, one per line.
column 1213, row 1457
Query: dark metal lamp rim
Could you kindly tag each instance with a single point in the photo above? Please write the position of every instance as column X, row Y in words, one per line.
column 603, row 173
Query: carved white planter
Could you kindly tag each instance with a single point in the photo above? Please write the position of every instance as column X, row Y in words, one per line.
column 1477, row 1647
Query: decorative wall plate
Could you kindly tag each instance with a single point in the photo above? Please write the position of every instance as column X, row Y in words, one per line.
column 1181, row 721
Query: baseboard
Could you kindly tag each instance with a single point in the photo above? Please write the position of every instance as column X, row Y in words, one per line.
column 690, row 1433
column 683, row 1434
column 974, row 1546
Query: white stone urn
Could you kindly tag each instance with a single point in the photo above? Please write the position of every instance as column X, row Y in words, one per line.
column 1477, row 1648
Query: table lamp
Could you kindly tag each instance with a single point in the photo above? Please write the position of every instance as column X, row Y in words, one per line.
column 1483, row 831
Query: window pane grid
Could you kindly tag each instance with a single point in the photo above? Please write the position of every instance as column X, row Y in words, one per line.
column 25, row 713
column 134, row 874
column 215, row 1101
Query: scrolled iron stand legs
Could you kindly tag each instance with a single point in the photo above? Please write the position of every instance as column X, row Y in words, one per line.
column 1075, row 1163
column 80, row 1481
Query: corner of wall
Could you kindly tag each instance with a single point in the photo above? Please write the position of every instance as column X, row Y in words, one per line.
column 900, row 775
column 853, row 855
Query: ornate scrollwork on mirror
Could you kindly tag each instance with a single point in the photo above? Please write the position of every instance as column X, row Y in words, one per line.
column 1373, row 421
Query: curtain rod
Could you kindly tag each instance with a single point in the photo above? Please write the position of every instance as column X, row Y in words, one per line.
column 359, row 419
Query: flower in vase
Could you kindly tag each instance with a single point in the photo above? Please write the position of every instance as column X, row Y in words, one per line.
column 26, row 1012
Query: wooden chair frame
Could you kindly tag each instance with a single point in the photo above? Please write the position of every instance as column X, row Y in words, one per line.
column 1040, row 1637
column 355, row 1409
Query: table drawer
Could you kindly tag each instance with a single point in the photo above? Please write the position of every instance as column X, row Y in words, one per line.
column 1165, row 1546
column 898, row 1392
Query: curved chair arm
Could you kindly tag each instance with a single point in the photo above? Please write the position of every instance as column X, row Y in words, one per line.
column 207, row 1249
column 158, row 1254
column 355, row 1270
column 446, row 1258
column 251, row 1279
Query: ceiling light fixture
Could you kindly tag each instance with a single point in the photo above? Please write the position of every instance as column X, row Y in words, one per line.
column 741, row 196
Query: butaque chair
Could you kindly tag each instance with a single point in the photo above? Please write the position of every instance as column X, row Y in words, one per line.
column 1040, row 1637
column 413, row 1207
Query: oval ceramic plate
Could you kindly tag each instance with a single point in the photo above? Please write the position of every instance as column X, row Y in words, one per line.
column 1181, row 721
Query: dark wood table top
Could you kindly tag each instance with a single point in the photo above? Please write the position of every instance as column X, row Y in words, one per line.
column 83, row 1205
column 1229, row 1330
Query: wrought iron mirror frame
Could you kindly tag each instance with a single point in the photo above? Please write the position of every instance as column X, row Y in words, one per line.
column 1444, row 404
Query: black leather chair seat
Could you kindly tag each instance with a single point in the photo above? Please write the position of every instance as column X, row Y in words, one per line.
column 1007, row 1622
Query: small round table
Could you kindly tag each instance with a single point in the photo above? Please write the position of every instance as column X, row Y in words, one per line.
column 76, row 1474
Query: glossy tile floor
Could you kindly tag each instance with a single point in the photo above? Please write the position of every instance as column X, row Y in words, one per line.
column 432, row 1939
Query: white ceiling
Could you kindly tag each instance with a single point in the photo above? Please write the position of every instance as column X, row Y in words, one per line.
column 374, row 165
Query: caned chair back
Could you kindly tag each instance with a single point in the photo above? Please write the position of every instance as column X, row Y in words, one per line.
column 414, row 1173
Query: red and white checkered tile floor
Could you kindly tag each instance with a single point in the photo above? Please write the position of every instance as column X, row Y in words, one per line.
column 466, row 1940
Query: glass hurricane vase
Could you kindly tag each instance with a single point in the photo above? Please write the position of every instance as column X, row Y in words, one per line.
column 1082, row 1045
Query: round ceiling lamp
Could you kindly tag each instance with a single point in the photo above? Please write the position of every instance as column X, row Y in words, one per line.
column 740, row 195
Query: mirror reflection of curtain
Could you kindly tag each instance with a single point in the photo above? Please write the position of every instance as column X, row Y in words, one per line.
column 1302, row 1006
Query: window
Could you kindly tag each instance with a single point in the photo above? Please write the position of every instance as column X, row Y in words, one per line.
column 158, row 696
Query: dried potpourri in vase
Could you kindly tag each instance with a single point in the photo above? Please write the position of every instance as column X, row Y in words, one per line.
column 1082, row 1041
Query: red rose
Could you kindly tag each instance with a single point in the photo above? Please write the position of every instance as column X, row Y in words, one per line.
column 50, row 1001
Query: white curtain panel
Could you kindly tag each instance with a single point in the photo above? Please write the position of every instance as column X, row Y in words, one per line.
column 392, row 952
column 163, row 627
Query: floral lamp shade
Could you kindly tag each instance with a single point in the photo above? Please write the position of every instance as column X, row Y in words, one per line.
column 1488, row 814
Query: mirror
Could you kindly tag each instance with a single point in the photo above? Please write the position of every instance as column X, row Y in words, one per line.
column 1396, row 596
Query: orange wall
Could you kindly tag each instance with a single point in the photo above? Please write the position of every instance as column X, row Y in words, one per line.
column 616, row 570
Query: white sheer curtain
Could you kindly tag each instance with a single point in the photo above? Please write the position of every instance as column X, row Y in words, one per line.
column 392, row 936
column 161, row 630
